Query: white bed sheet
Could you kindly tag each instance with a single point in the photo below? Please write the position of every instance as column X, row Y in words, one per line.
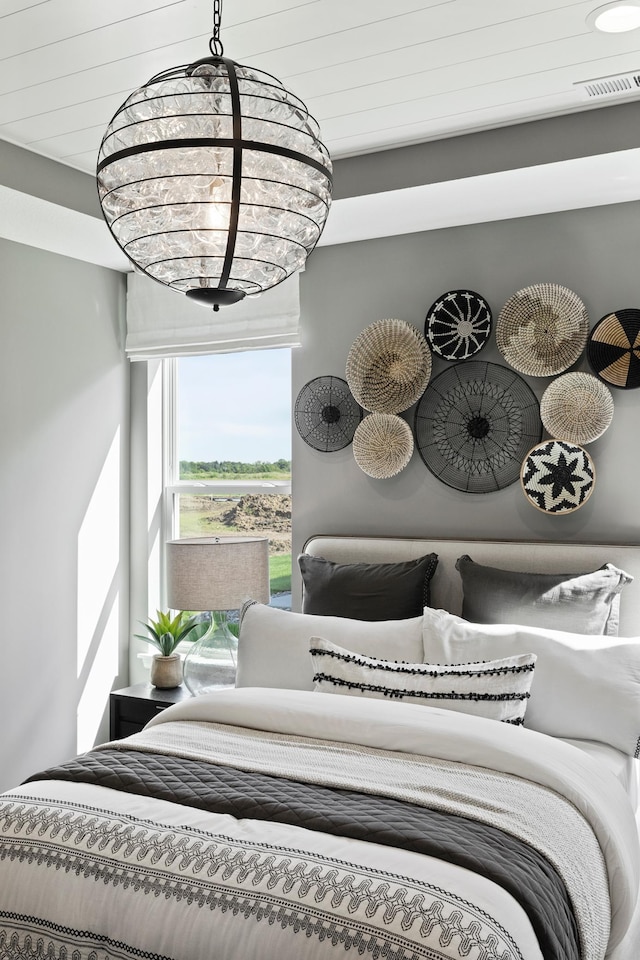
column 625, row 769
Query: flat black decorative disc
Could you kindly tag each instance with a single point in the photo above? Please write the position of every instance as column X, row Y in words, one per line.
column 474, row 424
column 458, row 324
column 613, row 349
column 326, row 414
column 557, row 477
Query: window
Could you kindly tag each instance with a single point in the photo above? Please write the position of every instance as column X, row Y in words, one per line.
column 228, row 452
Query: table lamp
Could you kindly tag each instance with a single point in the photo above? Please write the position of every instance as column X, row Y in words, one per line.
column 215, row 574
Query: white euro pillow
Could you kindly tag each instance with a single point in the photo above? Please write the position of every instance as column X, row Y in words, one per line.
column 273, row 646
column 585, row 687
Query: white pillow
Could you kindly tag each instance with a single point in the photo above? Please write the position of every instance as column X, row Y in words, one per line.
column 586, row 687
column 498, row 689
column 273, row 647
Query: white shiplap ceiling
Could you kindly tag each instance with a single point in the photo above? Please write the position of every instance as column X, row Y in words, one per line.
column 375, row 74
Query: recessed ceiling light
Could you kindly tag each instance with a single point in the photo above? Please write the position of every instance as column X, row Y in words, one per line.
column 616, row 17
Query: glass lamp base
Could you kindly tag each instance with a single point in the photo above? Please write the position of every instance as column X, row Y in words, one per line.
column 211, row 661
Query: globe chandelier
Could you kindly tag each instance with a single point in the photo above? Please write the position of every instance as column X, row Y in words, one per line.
column 213, row 179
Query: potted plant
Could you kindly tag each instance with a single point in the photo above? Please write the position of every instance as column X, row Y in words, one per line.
column 165, row 633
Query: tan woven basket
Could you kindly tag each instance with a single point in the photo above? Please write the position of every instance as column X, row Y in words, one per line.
column 388, row 366
column 542, row 330
column 382, row 445
column 613, row 348
column 576, row 407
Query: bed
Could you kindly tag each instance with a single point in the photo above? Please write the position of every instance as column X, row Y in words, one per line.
column 425, row 785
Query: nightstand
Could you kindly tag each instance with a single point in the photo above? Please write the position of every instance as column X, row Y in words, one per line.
column 132, row 707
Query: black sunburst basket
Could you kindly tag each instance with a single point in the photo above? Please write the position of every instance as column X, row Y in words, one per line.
column 326, row 414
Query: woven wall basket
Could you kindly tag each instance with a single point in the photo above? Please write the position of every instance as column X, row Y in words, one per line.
column 557, row 477
column 326, row 414
column 576, row 407
column 474, row 424
column 388, row 366
column 458, row 324
column 382, row 445
column 613, row 349
column 542, row 330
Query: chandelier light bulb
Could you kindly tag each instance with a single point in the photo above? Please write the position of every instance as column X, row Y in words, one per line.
column 213, row 179
column 218, row 206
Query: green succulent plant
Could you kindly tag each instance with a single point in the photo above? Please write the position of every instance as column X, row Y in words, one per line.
column 166, row 632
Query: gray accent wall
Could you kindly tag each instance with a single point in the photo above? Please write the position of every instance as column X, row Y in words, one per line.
column 606, row 129
column 64, row 504
column 39, row 176
column 344, row 288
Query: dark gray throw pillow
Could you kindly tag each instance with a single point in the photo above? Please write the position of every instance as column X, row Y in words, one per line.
column 366, row 591
column 586, row 603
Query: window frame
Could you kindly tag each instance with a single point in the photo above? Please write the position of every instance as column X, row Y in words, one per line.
column 172, row 486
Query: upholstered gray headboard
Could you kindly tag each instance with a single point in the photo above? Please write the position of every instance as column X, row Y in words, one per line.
column 446, row 587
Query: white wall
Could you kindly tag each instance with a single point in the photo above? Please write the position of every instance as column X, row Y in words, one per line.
column 64, row 505
column 147, row 410
column 344, row 288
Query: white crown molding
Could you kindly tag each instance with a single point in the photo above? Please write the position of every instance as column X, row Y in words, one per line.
column 58, row 229
column 548, row 188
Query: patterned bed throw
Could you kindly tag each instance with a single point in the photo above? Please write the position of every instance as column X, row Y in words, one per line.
column 521, row 870
column 201, row 838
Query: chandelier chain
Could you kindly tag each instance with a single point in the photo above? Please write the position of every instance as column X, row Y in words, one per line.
column 215, row 44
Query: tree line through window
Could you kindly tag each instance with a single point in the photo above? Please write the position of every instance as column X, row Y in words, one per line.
column 229, row 469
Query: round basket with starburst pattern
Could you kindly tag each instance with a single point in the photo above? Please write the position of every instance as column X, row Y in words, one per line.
column 388, row 366
column 326, row 414
column 473, row 425
column 458, row 324
column 576, row 407
column 542, row 330
column 382, row 445
column 557, row 477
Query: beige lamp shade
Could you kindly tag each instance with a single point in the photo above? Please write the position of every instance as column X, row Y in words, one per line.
column 217, row 573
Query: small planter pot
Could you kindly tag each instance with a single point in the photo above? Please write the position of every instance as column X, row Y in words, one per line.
column 166, row 672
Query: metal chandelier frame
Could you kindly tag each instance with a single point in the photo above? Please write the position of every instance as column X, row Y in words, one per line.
column 216, row 67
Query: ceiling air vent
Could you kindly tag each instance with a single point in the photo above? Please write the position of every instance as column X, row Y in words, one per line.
column 619, row 85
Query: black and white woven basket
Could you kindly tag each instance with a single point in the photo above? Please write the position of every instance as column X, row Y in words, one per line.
column 326, row 414
column 542, row 330
column 458, row 324
column 473, row 425
column 613, row 349
column 557, row 477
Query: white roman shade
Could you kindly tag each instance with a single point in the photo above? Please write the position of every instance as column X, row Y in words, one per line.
column 160, row 323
